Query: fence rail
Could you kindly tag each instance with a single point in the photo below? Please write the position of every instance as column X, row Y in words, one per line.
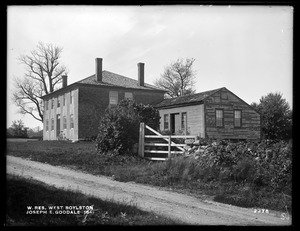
column 153, row 144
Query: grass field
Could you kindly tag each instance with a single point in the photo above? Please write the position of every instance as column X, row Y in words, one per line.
column 179, row 174
column 22, row 193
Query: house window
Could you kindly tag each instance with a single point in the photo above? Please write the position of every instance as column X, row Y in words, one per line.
column 128, row 95
column 71, row 121
column 183, row 121
column 52, row 124
column 166, row 122
column 58, row 101
column 219, row 118
column 46, row 105
column 64, row 100
column 71, row 97
column 113, row 97
column 65, row 122
column 237, row 118
column 47, row 125
column 52, row 103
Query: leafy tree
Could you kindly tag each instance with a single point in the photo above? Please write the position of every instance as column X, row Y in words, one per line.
column 178, row 78
column 119, row 127
column 276, row 116
column 35, row 133
column 17, row 129
column 43, row 74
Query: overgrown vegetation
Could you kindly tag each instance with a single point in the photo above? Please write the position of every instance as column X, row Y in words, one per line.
column 119, row 127
column 22, row 193
column 244, row 174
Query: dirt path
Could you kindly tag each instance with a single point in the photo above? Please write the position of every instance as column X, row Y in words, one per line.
column 174, row 205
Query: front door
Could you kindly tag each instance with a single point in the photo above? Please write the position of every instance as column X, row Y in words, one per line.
column 57, row 125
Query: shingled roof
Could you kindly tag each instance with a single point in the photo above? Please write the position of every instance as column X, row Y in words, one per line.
column 114, row 80
column 187, row 99
column 109, row 79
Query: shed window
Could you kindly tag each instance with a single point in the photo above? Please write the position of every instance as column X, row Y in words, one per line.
column 113, row 97
column 183, row 121
column 219, row 118
column 71, row 121
column 237, row 118
column 128, row 95
column 166, row 122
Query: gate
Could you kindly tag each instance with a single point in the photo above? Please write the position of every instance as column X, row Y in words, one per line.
column 158, row 146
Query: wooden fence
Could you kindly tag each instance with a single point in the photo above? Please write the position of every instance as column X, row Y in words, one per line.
column 149, row 141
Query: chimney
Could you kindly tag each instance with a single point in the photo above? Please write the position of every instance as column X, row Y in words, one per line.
column 64, row 80
column 141, row 74
column 98, row 62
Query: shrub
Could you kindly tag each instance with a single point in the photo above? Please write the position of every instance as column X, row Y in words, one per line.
column 119, row 127
column 268, row 163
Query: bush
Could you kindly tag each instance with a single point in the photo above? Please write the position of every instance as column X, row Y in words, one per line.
column 119, row 127
column 268, row 163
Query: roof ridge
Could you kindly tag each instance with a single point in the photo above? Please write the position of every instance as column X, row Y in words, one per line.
column 193, row 98
column 212, row 92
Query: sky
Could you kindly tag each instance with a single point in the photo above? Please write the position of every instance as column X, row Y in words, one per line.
column 247, row 49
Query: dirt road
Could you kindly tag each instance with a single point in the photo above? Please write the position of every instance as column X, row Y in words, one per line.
column 174, row 205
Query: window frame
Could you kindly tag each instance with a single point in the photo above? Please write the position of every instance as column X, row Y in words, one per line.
column 184, row 128
column 46, row 105
column 64, row 122
column 234, row 118
column 113, row 94
column 47, row 125
column 52, row 124
column 71, row 121
column 64, row 99
column 71, row 97
column 52, row 103
column 126, row 97
column 216, row 118
column 58, row 101
column 166, row 121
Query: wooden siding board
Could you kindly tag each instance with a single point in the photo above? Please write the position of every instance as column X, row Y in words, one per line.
column 195, row 118
column 229, row 102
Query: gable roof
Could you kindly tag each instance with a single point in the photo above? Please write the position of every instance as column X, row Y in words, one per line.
column 187, row 99
column 110, row 79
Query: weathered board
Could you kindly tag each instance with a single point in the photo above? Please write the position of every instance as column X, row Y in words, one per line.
column 226, row 100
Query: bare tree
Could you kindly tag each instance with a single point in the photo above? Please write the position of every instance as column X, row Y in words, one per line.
column 42, row 76
column 178, row 78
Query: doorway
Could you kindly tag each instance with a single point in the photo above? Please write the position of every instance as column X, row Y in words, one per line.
column 57, row 125
column 174, row 122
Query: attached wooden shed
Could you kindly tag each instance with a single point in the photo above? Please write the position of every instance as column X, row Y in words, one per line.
column 215, row 114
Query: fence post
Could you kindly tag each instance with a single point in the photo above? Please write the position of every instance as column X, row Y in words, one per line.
column 169, row 147
column 142, row 139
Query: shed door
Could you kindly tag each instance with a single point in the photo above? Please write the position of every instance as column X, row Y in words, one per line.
column 175, row 123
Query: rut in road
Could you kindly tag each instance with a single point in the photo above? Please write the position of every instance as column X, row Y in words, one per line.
column 177, row 206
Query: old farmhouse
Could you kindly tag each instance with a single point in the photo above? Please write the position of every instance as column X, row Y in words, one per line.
column 216, row 114
column 73, row 111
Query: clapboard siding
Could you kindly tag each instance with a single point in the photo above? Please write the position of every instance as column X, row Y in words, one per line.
column 195, row 118
column 229, row 102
